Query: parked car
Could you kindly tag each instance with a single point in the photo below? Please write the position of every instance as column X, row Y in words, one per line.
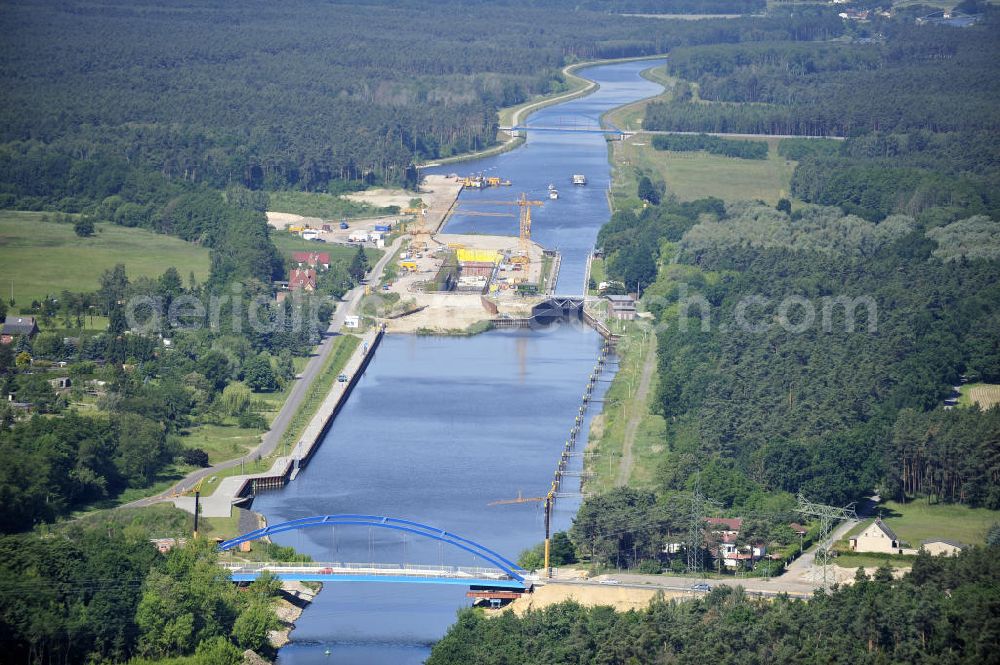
column 701, row 586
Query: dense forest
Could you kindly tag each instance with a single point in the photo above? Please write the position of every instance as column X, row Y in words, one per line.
column 772, row 383
column 916, row 78
column 102, row 593
column 290, row 96
column 917, row 103
column 941, row 612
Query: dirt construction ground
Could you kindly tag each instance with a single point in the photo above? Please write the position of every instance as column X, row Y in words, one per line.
column 437, row 192
column 621, row 598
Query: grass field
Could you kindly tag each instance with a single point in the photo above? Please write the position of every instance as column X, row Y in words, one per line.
column 286, row 243
column 695, row 175
column 985, row 395
column 324, row 206
column 45, row 258
column 691, row 175
column 854, row 560
column 597, row 273
column 916, row 521
column 344, row 346
column 608, row 429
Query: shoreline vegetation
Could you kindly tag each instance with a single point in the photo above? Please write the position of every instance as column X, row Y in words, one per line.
column 513, row 115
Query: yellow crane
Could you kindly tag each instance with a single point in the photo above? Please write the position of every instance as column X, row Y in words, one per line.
column 525, row 227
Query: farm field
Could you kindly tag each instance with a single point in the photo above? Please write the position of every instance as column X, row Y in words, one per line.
column 986, row 395
column 45, row 258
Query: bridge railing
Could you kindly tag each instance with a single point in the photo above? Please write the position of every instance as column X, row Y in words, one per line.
column 344, row 568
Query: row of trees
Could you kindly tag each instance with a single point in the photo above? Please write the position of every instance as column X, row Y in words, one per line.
column 712, row 144
column 939, row 612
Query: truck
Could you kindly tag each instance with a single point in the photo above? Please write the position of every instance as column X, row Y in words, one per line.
column 385, row 228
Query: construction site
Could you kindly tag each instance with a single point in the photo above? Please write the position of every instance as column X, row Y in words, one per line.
column 453, row 283
column 439, row 282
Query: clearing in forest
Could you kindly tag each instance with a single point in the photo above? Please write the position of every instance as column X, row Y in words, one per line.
column 45, row 257
column 986, row 395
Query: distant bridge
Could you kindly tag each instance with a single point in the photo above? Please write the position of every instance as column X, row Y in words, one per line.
column 503, row 573
column 612, row 131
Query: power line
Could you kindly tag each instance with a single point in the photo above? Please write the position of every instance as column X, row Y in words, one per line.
column 827, row 516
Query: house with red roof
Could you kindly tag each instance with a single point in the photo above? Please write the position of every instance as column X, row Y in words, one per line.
column 302, row 278
column 726, row 532
column 312, row 259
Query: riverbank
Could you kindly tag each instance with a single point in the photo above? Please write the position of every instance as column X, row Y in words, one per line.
column 236, row 488
column 295, row 598
column 512, row 116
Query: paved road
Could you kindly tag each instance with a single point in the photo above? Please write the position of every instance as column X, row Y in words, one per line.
column 666, row 132
column 312, row 369
column 753, row 585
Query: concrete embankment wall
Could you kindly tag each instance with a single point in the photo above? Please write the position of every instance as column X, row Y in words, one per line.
column 286, row 468
column 323, row 420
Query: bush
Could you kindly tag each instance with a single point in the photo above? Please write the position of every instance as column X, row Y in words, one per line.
column 195, row 457
column 84, row 227
column 249, row 420
column 650, row 567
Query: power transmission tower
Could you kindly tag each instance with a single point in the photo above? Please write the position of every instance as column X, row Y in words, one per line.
column 827, row 516
column 696, row 527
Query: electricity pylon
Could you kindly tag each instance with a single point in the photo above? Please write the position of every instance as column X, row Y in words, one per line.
column 827, row 516
column 696, row 527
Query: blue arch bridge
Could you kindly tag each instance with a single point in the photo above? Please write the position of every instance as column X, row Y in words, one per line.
column 497, row 574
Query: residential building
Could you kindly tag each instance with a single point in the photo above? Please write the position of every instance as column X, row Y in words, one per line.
column 877, row 537
column 302, row 278
column 622, row 307
column 312, row 259
column 16, row 326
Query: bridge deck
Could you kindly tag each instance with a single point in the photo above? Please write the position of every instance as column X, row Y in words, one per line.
column 374, row 572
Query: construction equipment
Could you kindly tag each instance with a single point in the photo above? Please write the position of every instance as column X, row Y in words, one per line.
column 525, row 225
column 421, row 235
column 519, row 499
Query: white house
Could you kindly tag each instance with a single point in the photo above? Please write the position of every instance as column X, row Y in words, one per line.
column 877, row 537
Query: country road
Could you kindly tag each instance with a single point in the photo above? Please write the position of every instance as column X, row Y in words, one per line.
column 272, row 437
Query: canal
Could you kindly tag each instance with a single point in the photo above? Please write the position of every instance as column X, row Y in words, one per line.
column 440, row 427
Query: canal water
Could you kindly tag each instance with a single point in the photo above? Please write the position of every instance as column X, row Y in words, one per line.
column 440, row 427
